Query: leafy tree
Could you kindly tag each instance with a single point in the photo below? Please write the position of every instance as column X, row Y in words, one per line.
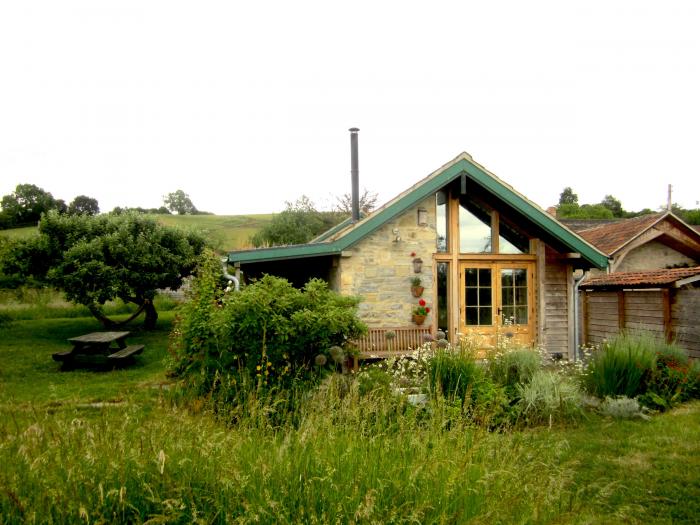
column 84, row 205
column 179, row 202
column 586, row 211
column 367, row 201
column 297, row 224
column 95, row 259
column 568, row 196
column 26, row 204
column 614, row 205
column 689, row 216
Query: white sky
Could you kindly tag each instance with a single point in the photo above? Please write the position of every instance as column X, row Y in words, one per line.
column 244, row 105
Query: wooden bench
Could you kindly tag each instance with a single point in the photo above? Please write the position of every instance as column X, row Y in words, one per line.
column 129, row 351
column 63, row 356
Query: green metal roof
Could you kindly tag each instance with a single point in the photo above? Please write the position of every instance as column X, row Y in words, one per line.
column 434, row 182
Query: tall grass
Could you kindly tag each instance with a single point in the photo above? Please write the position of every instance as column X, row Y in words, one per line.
column 350, row 458
column 623, row 367
column 26, row 303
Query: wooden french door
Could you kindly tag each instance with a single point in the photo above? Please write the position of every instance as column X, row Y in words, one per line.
column 497, row 298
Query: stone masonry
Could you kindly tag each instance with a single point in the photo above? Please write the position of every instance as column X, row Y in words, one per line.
column 379, row 269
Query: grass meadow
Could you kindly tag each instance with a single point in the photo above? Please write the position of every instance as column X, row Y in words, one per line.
column 125, row 446
column 225, row 232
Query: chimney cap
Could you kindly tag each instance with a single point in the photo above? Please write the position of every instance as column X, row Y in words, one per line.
column 354, row 130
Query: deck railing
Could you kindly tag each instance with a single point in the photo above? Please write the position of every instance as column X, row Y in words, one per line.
column 399, row 339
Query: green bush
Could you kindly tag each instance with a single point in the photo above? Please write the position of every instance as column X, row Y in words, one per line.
column 270, row 329
column 674, row 379
column 548, row 397
column 514, row 367
column 623, row 367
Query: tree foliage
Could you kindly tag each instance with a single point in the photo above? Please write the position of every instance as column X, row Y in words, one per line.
column 614, row 205
column 568, row 197
column 179, row 202
column 26, row 204
column 83, row 205
column 269, row 329
column 95, row 259
column 297, row 224
column 586, row 211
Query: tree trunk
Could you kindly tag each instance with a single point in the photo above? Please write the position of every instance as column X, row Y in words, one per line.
column 97, row 313
column 151, row 315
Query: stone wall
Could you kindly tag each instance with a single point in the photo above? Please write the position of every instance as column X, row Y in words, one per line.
column 379, row 269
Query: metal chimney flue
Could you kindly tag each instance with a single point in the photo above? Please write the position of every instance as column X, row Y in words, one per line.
column 354, row 175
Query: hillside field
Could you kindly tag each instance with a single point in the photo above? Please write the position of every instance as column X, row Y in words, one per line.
column 226, row 232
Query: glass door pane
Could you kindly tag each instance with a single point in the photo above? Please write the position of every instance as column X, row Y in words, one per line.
column 478, row 302
column 514, row 296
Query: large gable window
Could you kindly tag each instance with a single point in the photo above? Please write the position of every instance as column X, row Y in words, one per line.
column 481, row 230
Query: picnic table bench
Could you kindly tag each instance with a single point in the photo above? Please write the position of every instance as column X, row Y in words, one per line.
column 110, row 344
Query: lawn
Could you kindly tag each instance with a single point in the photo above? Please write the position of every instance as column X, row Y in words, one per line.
column 121, row 447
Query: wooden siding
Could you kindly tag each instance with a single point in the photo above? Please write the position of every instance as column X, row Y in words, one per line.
column 601, row 320
column 670, row 314
column 685, row 316
column 556, row 333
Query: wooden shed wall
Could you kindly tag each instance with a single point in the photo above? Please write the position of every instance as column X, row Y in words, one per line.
column 665, row 313
column 685, row 314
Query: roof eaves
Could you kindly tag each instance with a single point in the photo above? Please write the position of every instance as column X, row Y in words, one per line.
column 296, row 251
column 540, row 217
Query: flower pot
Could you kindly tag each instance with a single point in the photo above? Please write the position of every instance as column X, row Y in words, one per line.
column 417, row 291
column 418, row 319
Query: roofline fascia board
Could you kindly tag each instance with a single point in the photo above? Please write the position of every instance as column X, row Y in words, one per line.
column 538, row 216
column 687, row 280
column 421, row 191
column 284, row 252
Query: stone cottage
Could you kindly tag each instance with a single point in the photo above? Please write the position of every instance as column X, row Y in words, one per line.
column 489, row 261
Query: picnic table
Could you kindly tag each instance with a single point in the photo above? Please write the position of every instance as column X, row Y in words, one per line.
column 110, row 344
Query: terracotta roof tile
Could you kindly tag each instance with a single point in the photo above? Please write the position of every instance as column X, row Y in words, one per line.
column 644, row 279
column 611, row 237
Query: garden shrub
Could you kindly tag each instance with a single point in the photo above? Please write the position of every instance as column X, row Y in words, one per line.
column 623, row 366
column 515, row 366
column 673, row 379
column 548, row 397
column 269, row 329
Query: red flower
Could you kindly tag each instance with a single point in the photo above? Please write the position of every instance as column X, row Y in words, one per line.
column 413, row 254
column 427, row 310
column 421, row 302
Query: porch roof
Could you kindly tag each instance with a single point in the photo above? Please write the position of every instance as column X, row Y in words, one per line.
column 342, row 238
column 665, row 278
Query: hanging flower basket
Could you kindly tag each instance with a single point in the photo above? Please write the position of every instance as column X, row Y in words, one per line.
column 417, row 291
column 419, row 319
column 420, row 312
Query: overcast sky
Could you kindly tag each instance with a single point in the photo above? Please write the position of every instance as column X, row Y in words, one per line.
column 246, row 105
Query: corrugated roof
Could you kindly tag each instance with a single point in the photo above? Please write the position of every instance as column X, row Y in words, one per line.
column 644, row 279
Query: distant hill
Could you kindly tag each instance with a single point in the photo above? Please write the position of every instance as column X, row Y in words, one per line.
column 225, row 232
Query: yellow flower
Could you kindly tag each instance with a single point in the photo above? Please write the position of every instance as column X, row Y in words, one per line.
column 258, row 367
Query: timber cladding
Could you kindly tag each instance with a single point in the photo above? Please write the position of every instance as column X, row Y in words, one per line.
column 556, row 304
column 667, row 313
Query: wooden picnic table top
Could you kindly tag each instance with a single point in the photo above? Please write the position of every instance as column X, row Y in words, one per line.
column 99, row 337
